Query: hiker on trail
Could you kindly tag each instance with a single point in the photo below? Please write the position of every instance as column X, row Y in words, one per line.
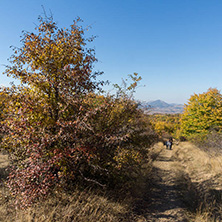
column 170, row 143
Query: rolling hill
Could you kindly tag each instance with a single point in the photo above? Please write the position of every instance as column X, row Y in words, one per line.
column 159, row 106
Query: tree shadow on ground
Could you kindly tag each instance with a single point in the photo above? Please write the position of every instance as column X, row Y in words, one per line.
column 159, row 196
column 201, row 197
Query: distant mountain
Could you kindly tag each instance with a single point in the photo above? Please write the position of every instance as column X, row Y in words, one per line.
column 159, row 106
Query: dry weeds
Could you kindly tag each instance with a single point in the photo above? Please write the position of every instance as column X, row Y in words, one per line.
column 202, row 178
column 79, row 205
column 198, row 176
column 76, row 206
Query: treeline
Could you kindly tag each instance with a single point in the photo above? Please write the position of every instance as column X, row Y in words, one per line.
column 201, row 121
column 166, row 125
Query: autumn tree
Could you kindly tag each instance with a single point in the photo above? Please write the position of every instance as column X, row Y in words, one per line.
column 165, row 124
column 47, row 114
column 202, row 114
column 58, row 129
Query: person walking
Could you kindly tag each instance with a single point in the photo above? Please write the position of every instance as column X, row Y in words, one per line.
column 170, row 142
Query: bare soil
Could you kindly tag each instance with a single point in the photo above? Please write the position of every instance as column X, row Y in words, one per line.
column 164, row 200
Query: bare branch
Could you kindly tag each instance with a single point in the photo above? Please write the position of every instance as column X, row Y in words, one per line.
column 91, row 180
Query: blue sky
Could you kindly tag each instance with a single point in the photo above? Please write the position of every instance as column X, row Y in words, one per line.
column 175, row 45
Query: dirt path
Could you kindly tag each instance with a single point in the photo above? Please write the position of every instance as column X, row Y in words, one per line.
column 165, row 203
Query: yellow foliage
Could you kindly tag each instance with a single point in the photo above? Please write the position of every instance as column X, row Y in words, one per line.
column 125, row 157
column 202, row 113
column 168, row 123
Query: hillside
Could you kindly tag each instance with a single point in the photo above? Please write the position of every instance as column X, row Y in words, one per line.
column 161, row 107
column 185, row 185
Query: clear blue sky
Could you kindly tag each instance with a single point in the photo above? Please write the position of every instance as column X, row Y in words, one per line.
column 175, row 45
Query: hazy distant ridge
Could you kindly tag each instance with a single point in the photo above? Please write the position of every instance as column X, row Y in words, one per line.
column 159, row 106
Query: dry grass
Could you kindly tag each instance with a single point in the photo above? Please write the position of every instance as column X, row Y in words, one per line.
column 79, row 205
column 202, row 181
column 200, row 166
column 198, row 175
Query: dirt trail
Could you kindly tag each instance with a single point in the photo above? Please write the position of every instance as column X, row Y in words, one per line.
column 165, row 203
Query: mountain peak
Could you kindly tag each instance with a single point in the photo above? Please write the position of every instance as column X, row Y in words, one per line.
column 159, row 106
column 158, row 103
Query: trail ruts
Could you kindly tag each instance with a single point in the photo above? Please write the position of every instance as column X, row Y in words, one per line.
column 163, row 202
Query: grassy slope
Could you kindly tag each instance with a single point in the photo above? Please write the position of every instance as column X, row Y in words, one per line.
column 203, row 175
column 200, row 176
column 80, row 205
